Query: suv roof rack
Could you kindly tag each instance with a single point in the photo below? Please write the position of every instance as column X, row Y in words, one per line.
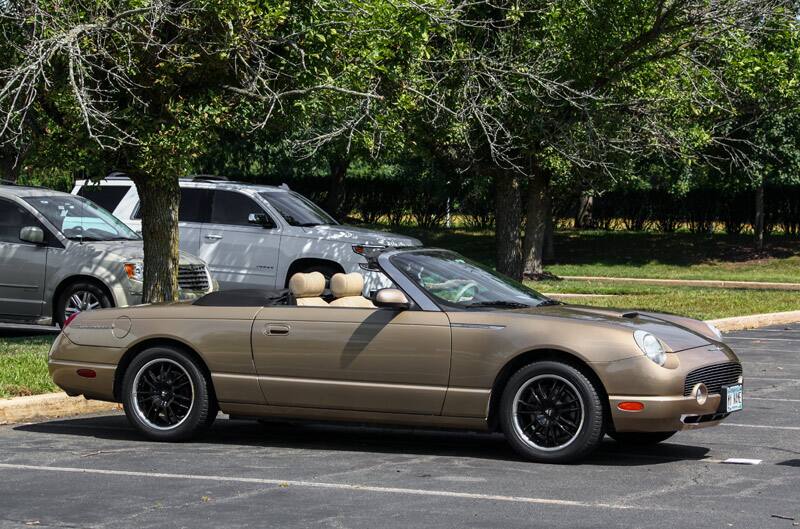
column 208, row 178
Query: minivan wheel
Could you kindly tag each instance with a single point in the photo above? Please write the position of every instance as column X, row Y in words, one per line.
column 166, row 395
column 80, row 297
column 552, row 413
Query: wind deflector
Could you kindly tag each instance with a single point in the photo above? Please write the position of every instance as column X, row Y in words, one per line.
column 247, row 297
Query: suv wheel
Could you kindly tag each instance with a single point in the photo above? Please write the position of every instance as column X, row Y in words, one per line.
column 79, row 297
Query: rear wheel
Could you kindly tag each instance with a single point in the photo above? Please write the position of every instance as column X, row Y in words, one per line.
column 640, row 438
column 166, row 395
column 79, row 297
column 551, row 412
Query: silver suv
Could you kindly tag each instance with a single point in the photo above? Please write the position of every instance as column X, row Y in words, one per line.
column 253, row 235
column 61, row 254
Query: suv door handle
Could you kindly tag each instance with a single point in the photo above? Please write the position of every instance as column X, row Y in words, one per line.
column 276, row 329
column 213, row 237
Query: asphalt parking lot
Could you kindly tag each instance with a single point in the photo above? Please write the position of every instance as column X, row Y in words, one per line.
column 96, row 472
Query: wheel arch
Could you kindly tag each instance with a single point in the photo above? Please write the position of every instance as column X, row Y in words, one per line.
column 304, row 262
column 534, row 355
column 67, row 281
column 139, row 347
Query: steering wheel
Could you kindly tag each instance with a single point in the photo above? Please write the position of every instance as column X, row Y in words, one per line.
column 471, row 285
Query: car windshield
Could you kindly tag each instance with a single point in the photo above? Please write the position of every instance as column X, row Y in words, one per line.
column 296, row 209
column 456, row 281
column 81, row 220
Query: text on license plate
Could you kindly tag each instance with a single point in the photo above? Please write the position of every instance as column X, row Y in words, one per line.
column 734, row 397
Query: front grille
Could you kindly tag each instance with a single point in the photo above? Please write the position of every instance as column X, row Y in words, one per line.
column 192, row 277
column 714, row 377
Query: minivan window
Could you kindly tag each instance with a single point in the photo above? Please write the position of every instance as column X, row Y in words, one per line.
column 107, row 197
column 296, row 209
column 233, row 208
column 12, row 219
column 82, row 220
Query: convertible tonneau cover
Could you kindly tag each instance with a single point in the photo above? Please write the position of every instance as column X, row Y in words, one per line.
column 247, row 297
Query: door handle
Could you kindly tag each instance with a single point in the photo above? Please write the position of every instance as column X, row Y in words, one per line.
column 276, row 329
column 213, row 237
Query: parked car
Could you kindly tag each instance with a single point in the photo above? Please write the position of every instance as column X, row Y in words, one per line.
column 451, row 345
column 61, row 254
column 252, row 235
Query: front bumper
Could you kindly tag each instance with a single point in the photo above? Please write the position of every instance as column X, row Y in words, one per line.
column 665, row 414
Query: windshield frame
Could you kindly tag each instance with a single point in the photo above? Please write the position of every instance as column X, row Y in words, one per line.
column 448, row 306
column 308, row 204
column 98, row 212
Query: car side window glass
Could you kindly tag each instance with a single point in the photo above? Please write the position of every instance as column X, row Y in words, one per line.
column 107, row 197
column 12, row 219
column 234, row 208
column 195, row 206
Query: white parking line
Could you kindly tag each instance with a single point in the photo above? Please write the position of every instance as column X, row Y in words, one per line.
column 776, row 400
column 797, row 428
column 321, row 485
column 747, row 377
column 762, row 339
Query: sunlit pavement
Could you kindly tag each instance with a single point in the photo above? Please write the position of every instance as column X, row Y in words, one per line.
column 97, row 472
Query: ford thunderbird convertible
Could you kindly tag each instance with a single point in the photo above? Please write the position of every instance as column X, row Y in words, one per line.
column 450, row 345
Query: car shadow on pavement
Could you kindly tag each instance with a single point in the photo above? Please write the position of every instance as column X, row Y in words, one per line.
column 355, row 438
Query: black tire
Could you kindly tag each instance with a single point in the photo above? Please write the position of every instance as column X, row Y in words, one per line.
column 640, row 438
column 557, row 432
column 164, row 413
column 80, row 291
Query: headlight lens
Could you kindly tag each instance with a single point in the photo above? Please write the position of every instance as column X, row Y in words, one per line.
column 715, row 331
column 135, row 270
column 651, row 347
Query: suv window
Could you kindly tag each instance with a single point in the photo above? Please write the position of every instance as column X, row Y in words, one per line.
column 234, row 208
column 13, row 218
column 107, row 197
column 195, row 206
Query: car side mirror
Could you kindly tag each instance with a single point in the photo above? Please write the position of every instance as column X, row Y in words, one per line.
column 260, row 219
column 390, row 298
column 32, row 234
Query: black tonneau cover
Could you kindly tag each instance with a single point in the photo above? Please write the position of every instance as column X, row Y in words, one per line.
column 246, row 297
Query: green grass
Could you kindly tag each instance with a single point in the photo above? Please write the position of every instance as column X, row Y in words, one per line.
column 23, row 366
column 642, row 254
column 701, row 303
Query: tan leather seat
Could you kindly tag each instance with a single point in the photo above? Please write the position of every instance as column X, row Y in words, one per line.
column 347, row 288
column 307, row 289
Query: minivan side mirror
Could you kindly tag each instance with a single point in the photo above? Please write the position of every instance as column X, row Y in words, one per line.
column 32, row 234
column 391, row 298
column 260, row 219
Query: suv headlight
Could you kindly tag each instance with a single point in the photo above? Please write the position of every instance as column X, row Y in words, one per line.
column 135, row 271
column 651, row 347
column 714, row 331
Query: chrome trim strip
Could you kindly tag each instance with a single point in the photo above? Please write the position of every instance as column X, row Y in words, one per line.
column 333, row 382
column 406, row 285
column 478, row 326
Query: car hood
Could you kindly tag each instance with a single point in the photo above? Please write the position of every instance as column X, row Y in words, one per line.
column 677, row 332
column 353, row 235
column 132, row 250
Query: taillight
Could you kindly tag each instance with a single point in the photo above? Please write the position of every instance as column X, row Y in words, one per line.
column 69, row 320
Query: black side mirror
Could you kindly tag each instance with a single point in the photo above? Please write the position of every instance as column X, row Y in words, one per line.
column 260, row 219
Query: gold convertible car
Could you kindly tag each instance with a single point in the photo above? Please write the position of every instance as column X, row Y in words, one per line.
column 451, row 345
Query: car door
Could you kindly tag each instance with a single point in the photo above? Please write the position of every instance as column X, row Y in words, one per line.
column 22, row 264
column 377, row 360
column 239, row 254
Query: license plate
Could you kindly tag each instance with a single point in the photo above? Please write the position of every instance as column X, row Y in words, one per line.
column 733, row 396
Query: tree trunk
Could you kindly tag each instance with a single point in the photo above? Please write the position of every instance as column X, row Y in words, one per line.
column 338, row 167
column 583, row 219
column 508, row 220
column 537, row 213
column 160, row 198
column 758, row 225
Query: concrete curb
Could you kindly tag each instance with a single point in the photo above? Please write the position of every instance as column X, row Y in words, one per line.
column 24, row 409
column 738, row 323
column 708, row 283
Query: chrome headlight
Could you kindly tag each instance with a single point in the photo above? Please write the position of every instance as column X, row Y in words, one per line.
column 651, row 347
column 714, row 331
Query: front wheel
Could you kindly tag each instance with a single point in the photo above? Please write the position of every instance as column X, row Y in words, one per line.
column 166, row 395
column 551, row 413
column 640, row 438
column 80, row 297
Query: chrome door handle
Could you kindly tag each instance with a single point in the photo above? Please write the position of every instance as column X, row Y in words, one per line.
column 212, row 237
column 276, row 329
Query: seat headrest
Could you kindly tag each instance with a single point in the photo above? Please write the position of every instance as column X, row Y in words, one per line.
column 344, row 285
column 309, row 285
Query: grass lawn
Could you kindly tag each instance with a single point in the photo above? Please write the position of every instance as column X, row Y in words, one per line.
column 701, row 303
column 642, row 254
column 23, row 366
